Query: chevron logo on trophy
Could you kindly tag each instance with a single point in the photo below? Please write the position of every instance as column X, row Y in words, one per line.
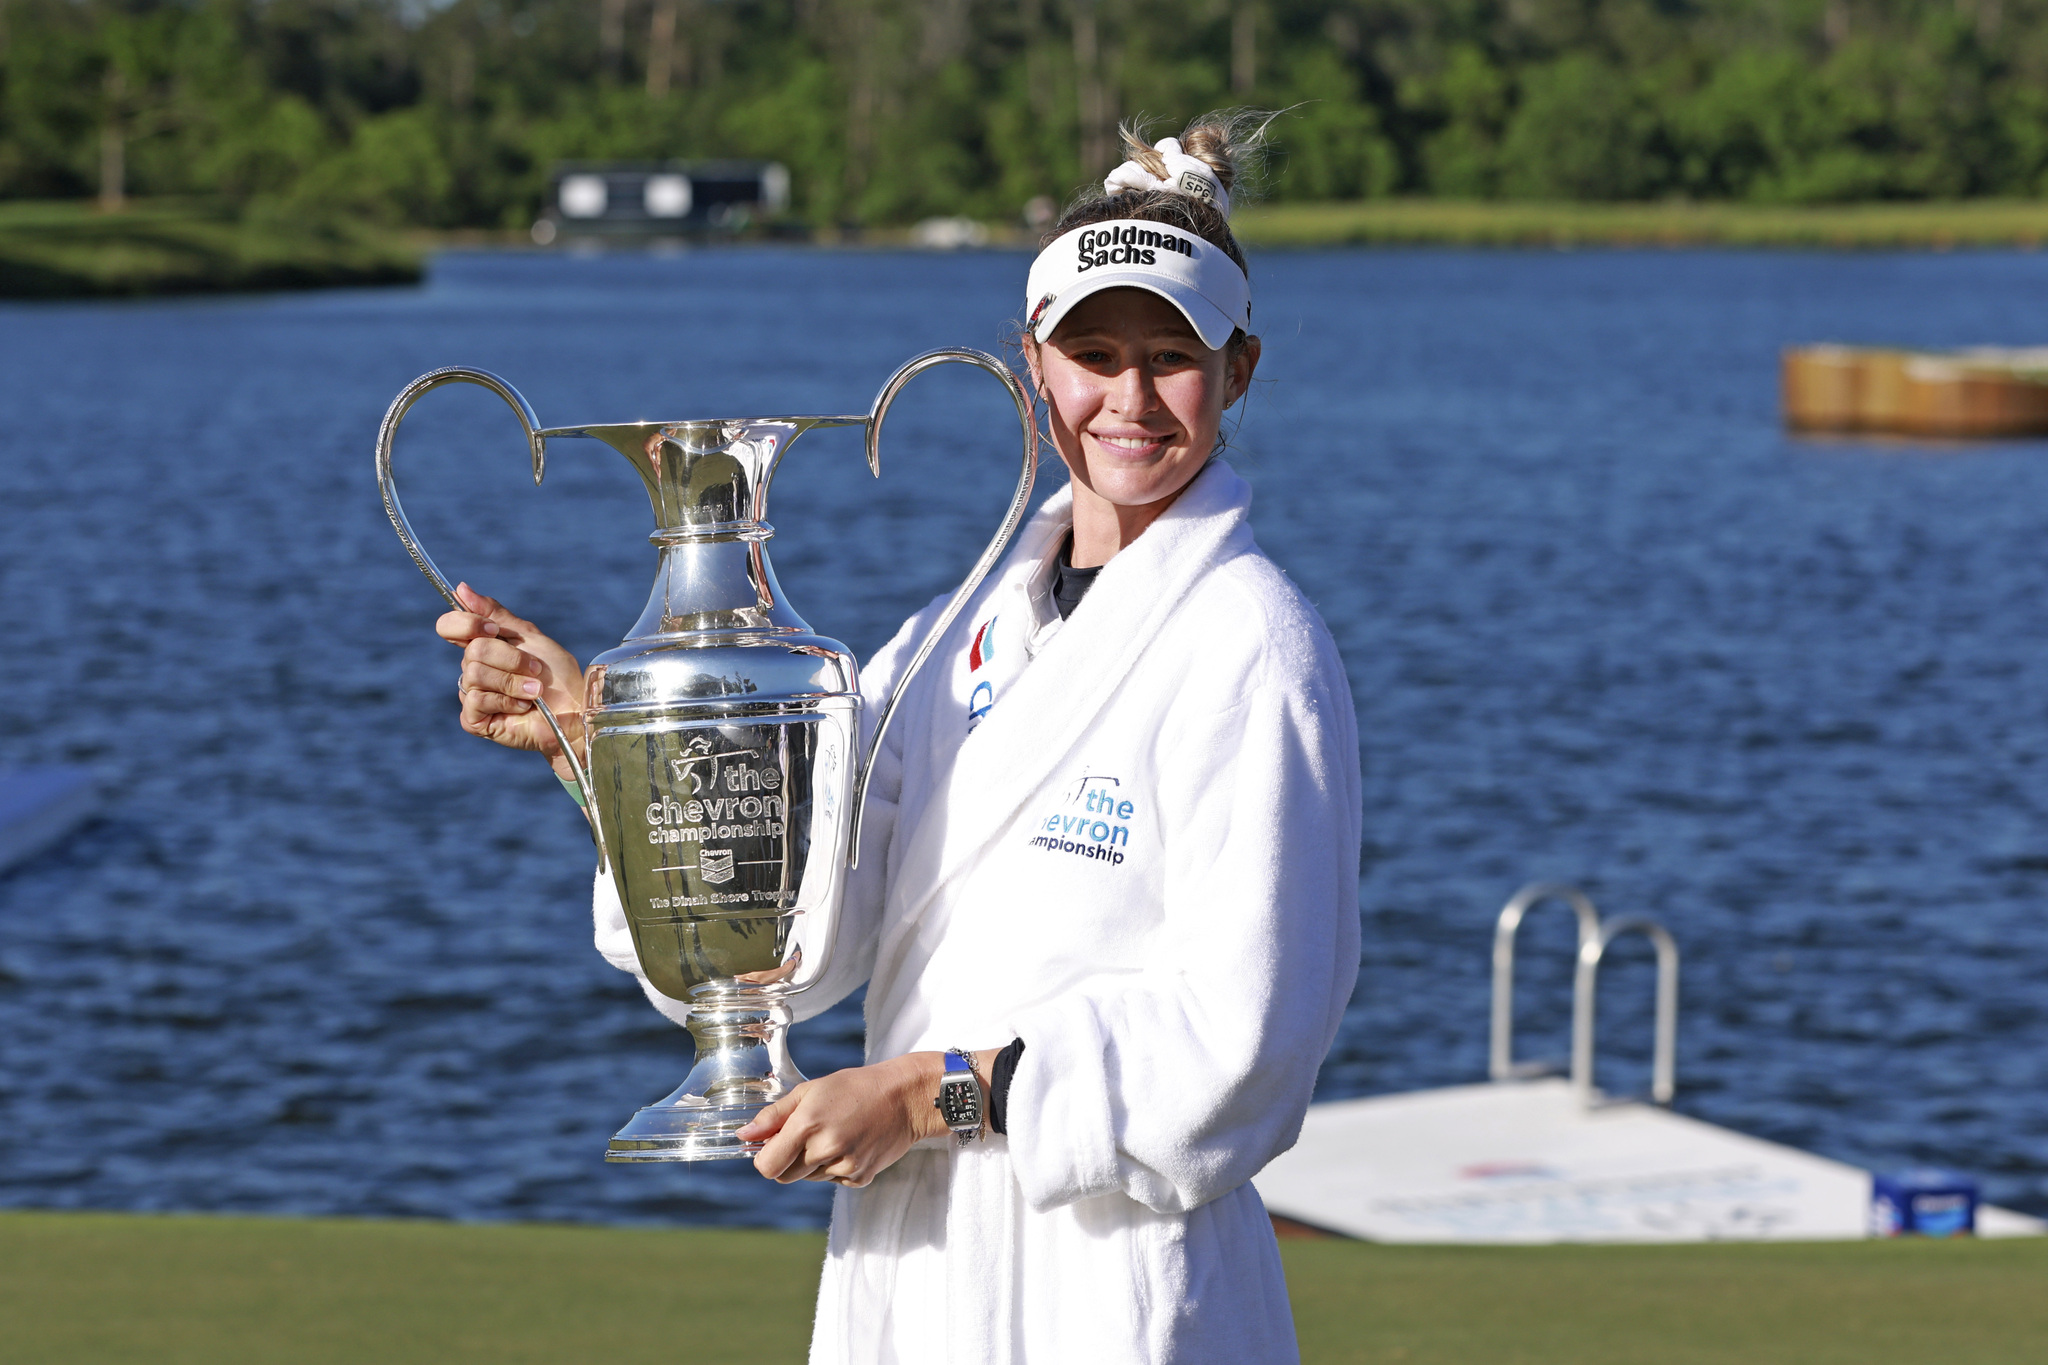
column 715, row 865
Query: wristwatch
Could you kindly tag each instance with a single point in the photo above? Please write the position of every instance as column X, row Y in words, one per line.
column 960, row 1097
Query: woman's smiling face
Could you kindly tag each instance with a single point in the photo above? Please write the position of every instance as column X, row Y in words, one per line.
column 1136, row 398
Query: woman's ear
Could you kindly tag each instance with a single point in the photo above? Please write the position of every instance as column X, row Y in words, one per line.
column 1031, row 363
column 1242, row 364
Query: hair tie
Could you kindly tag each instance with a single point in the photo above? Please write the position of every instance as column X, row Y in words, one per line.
column 1188, row 175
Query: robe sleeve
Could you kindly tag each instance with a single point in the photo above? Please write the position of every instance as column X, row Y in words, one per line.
column 615, row 944
column 853, row 952
column 1178, row 1084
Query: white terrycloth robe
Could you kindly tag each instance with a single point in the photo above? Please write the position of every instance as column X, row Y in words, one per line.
column 1130, row 839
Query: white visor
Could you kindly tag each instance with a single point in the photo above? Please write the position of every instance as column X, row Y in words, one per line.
column 1194, row 276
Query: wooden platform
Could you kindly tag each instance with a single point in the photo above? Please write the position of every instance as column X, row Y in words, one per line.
column 1525, row 1162
column 1981, row 392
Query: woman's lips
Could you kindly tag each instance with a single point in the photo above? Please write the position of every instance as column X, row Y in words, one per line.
column 1130, row 445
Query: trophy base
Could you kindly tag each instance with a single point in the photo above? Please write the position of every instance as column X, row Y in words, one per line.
column 685, row 1132
column 743, row 1066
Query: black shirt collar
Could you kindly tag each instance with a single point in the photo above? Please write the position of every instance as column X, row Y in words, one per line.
column 1069, row 584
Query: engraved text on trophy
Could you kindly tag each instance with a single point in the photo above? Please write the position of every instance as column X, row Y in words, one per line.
column 711, row 834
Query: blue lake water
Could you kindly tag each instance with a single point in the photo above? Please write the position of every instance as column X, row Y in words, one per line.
column 1604, row 623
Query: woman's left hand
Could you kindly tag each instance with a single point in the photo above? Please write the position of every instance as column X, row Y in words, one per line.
column 852, row 1125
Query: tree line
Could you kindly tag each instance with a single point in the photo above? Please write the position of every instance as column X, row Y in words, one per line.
column 450, row 112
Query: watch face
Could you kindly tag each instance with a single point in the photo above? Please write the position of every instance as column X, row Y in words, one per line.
column 960, row 1102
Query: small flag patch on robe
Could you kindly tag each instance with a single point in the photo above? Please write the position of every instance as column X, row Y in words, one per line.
column 984, row 646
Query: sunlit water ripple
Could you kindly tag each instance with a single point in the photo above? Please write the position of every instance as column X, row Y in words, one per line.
column 1604, row 622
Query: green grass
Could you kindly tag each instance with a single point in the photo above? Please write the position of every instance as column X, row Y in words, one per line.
column 1983, row 222
column 71, row 250
column 86, row 1288
column 76, row 1289
column 1820, row 1303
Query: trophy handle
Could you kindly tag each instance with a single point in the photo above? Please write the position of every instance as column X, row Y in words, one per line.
column 1019, row 500
column 537, row 444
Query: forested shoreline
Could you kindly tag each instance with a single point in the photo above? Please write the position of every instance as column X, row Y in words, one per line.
column 886, row 111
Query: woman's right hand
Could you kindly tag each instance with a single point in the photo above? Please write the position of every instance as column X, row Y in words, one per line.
column 507, row 663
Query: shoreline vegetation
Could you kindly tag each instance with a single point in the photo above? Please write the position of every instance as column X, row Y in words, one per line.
column 70, row 249
column 408, row 128
column 453, row 114
column 206, row 1290
column 52, row 249
column 1496, row 223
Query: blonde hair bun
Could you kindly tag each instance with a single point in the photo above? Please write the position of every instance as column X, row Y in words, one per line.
column 1230, row 142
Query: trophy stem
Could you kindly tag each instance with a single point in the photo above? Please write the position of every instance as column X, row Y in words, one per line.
column 743, row 1066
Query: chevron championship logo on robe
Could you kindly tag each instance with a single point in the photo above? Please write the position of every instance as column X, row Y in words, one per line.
column 983, row 695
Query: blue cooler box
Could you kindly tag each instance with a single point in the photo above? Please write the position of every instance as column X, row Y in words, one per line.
column 1923, row 1204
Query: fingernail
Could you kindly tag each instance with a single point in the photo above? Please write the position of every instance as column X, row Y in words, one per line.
column 490, row 627
column 531, row 687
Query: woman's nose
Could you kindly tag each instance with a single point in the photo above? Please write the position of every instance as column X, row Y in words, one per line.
column 1132, row 393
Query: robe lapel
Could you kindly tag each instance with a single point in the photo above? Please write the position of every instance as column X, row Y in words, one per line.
column 933, row 720
column 1037, row 725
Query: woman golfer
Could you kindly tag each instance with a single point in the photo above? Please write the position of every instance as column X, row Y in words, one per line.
column 1106, row 908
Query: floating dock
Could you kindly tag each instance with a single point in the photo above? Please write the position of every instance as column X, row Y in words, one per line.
column 1526, row 1159
column 1528, row 1162
column 1982, row 392
column 39, row 806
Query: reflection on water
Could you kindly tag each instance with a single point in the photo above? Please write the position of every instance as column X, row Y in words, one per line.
column 1604, row 623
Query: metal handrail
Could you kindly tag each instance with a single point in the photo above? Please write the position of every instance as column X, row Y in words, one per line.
column 1594, row 939
column 1501, row 1064
column 1664, row 1061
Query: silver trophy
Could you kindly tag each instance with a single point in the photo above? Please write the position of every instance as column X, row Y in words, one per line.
column 721, row 767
